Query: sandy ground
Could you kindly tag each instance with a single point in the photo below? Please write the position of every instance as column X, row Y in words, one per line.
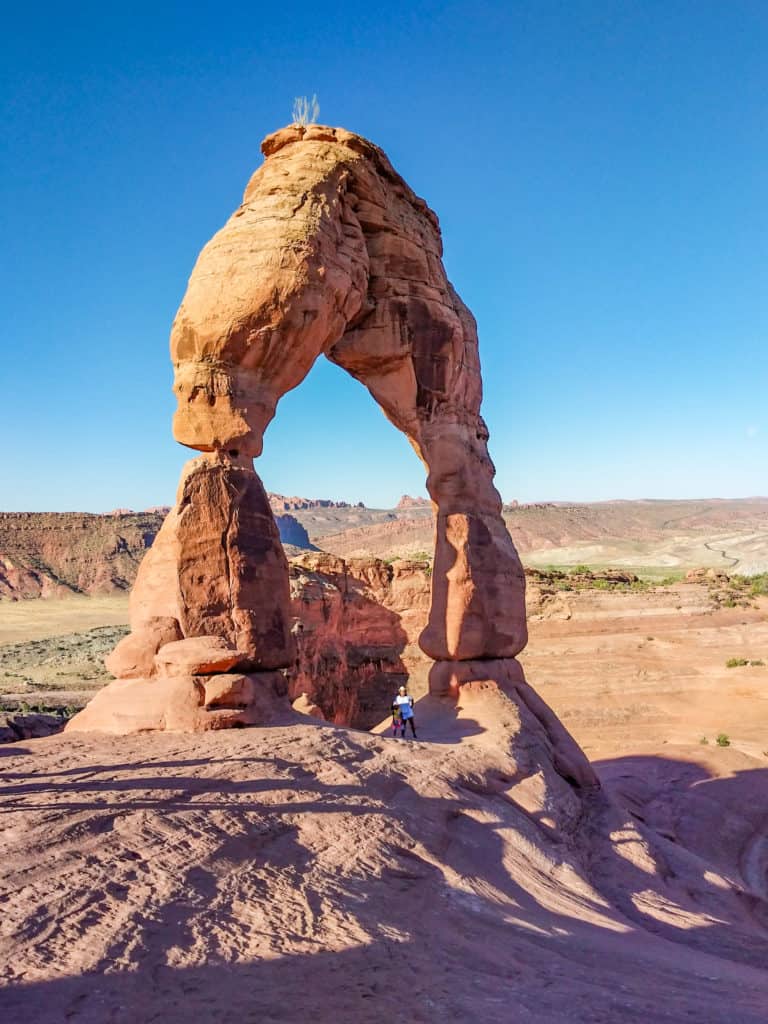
column 645, row 671
column 34, row 620
column 306, row 871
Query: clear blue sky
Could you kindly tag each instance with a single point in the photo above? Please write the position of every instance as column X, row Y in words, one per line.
column 600, row 170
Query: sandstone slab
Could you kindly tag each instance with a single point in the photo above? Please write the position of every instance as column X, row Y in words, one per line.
column 197, row 655
column 183, row 704
column 134, row 655
column 468, row 680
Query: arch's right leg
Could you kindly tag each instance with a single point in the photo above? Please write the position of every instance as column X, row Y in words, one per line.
column 430, row 389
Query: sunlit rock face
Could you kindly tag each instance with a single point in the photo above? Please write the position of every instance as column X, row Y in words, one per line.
column 330, row 253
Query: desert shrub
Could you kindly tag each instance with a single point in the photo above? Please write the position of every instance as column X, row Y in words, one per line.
column 736, row 662
column 756, row 585
column 704, row 741
column 722, row 740
column 581, row 570
column 757, row 663
column 305, row 111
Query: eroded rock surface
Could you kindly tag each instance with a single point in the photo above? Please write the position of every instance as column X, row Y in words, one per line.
column 212, row 595
column 330, row 253
column 217, row 568
column 55, row 554
column 356, row 625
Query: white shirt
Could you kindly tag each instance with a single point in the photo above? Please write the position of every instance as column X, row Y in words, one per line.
column 406, row 705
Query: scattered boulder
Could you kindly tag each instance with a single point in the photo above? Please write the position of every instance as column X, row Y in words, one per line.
column 184, row 704
column 134, row 656
column 197, row 656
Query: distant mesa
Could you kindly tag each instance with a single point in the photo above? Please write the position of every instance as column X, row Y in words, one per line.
column 408, row 502
column 281, row 503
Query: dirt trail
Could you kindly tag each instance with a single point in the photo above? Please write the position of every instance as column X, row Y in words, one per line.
column 724, row 555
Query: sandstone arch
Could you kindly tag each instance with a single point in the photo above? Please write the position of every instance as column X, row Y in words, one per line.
column 330, row 253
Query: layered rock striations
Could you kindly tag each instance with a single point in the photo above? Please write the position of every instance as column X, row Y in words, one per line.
column 356, row 625
column 53, row 554
column 282, row 503
column 56, row 554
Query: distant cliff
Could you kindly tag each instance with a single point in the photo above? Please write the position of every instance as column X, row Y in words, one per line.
column 408, row 502
column 52, row 554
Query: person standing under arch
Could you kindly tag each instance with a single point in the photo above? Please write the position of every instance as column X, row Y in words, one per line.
column 404, row 702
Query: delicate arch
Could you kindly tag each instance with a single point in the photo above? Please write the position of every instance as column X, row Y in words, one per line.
column 331, row 252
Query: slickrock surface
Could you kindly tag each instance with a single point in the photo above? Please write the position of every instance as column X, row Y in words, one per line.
column 306, row 872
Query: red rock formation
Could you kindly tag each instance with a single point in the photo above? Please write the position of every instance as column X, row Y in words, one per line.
column 408, row 502
column 216, row 569
column 53, row 554
column 281, row 503
column 356, row 625
column 56, row 554
column 331, row 253
column 183, row 703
